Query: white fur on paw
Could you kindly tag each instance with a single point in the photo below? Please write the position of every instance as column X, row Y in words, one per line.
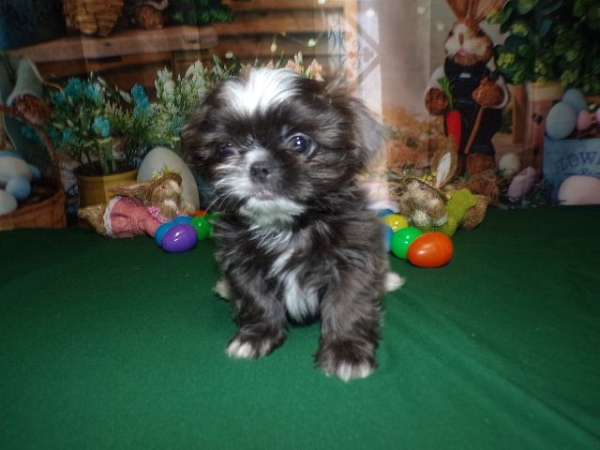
column 347, row 372
column 246, row 350
column 240, row 350
column 222, row 289
column 393, row 281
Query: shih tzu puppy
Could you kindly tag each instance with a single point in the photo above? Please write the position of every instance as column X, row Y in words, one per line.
column 296, row 241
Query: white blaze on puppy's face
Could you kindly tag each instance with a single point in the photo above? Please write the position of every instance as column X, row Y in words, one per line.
column 269, row 213
column 265, row 208
column 264, row 88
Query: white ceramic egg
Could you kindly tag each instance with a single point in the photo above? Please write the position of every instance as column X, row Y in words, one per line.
column 160, row 159
column 561, row 121
column 580, row 190
column 509, row 164
column 575, row 99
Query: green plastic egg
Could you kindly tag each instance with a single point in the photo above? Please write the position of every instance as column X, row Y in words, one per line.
column 403, row 239
column 203, row 228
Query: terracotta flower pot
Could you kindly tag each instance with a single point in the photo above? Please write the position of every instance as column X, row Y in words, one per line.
column 94, row 190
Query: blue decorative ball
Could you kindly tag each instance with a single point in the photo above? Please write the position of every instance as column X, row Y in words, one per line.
column 162, row 232
column 575, row 99
column 19, row 187
column 186, row 220
column 388, row 236
column 561, row 121
column 385, row 212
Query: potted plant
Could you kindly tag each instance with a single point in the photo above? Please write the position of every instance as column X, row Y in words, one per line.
column 81, row 127
column 550, row 46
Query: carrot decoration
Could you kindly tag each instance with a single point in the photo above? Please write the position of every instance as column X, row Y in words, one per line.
column 453, row 116
column 454, row 126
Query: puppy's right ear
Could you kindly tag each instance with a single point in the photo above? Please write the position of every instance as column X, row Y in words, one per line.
column 369, row 131
column 193, row 140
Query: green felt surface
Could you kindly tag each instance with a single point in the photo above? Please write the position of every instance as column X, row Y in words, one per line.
column 114, row 344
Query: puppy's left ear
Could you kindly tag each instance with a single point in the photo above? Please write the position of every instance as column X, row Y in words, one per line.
column 369, row 131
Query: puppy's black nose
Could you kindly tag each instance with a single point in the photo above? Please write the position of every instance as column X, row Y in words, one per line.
column 260, row 171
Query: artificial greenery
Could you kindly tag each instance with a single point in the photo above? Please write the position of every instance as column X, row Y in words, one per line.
column 79, row 124
column 551, row 40
column 111, row 130
column 199, row 12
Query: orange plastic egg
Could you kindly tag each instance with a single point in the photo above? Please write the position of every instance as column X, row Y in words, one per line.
column 431, row 250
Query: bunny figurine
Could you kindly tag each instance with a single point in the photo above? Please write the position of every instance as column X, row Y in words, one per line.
column 468, row 83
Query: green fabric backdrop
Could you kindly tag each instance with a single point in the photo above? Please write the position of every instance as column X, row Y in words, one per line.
column 115, row 344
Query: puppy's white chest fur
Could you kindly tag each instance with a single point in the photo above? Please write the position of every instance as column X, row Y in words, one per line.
column 301, row 302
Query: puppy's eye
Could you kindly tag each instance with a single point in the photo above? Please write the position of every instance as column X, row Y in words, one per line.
column 301, row 143
column 226, row 149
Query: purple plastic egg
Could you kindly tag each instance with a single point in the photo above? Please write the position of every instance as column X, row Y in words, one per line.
column 585, row 120
column 180, row 238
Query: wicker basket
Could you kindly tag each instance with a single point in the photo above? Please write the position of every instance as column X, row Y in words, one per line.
column 92, row 16
column 47, row 213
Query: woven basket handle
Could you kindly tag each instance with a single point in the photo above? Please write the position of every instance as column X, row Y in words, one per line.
column 14, row 113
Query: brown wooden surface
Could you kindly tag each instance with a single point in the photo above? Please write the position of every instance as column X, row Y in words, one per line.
column 261, row 5
column 258, row 46
column 129, row 42
column 134, row 56
column 274, row 23
column 63, row 69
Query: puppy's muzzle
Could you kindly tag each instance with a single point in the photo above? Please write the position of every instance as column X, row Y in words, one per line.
column 262, row 171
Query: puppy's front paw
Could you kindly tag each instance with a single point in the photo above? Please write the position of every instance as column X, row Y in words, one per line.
column 348, row 360
column 222, row 289
column 393, row 281
column 245, row 346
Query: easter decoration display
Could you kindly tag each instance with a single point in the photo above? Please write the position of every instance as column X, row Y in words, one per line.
column 469, row 92
column 92, row 17
column 146, row 14
column 108, row 131
column 184, row 232
column 425, row 250
column 395, row 221
column 572, row 117
column 403, row 239
column 463, row 209
column 30, row 196
column 571, row 166
column 161, row 159
column 138, row 209
column 15, row 180
column 437, row 201
column 431, row 250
